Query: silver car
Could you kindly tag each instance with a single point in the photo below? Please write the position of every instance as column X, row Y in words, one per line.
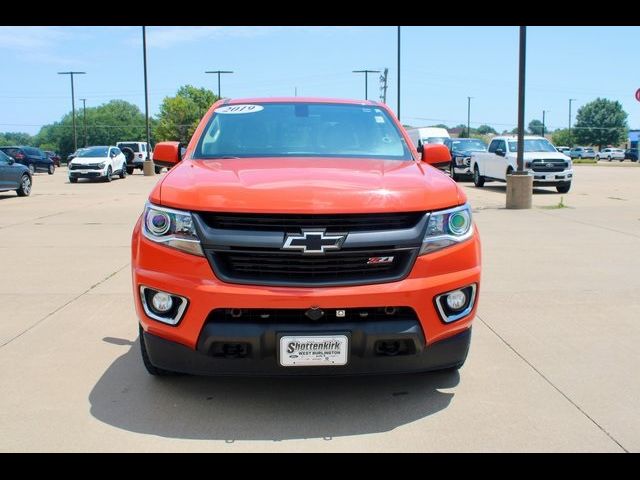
column 611, row 154
column 581, row 152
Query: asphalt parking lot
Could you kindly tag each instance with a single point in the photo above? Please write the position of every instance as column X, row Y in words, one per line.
column 553, row 362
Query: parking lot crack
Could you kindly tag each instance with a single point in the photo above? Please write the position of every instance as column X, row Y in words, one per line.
column 553, row 385
column 594, row 225
column 56, row 310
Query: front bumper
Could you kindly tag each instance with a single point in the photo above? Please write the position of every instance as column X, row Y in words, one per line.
column 191, row 277
column 262, row 358
column 87, row 173
column 551, row 179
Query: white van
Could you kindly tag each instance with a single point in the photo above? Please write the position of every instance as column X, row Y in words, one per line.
column 420, row 136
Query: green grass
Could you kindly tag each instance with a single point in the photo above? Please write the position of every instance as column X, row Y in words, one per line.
column 585, row 160
column 560, row 204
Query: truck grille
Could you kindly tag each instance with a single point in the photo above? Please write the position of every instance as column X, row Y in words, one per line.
column 296, row 315
column 345, row 267
column 333, row 223
column 549, row 165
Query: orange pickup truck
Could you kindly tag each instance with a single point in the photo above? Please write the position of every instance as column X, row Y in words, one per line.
column 302, row 236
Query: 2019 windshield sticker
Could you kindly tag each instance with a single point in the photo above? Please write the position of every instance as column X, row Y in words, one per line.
column 238, row 109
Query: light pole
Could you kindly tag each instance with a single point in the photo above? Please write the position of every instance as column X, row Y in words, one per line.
column 84, row 119
column 73, row 106
column 147, row 166
column 219, row 72
column 570, row 137
column 543, row 124
column 469, row 117
column 366, row 80
column 398, row 73
column 520, row 183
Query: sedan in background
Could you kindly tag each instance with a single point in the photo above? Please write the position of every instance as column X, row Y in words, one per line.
column 98, row 162
column 32, row 158
column 461, row 149
column 581, row 152
column 14, row 176
column 611, row 154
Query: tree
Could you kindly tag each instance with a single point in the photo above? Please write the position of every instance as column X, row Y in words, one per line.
column 15, row 138
column 107, row 124
column 601, row 122
column 441, row 125
column 561, row 137
column 180, row 115
column 535, row 127
column 486, row 130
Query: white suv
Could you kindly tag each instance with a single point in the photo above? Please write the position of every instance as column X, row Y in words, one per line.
column 137, row 155
column 98, row 162
column 549, row 167
column 611, row 154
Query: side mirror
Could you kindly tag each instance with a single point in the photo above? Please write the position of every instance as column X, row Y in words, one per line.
column 167, row 154
column 500, row 152
column 436, row 154
column 10, row 161
column 419, row 148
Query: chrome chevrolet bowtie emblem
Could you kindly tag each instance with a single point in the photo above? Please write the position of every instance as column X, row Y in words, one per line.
column 313, row 241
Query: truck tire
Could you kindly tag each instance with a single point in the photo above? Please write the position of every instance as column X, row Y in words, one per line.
column 151, row 368
column 130, row 170
column 73, row 180
column 123, row 171
column 51, row 169
column 109, row 176
column 158, row 170
column 564, row 188
column 478, row 180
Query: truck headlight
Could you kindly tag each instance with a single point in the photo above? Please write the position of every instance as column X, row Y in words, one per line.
column 101, row 165
column 173, row 228
column 447, row 227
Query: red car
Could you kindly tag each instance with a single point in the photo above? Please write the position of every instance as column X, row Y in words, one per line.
column 304, row 236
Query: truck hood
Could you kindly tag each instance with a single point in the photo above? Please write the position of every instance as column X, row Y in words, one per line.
column 306, row 185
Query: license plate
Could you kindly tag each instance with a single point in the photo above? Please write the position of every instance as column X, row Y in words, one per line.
column 325, row 350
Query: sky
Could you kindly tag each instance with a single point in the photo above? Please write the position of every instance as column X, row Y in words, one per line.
column 441, row 67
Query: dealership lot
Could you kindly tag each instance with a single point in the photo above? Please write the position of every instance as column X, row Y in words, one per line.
column 552, row 365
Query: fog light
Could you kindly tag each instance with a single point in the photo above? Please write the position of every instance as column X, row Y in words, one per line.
column 456, row 300
column 162, row 302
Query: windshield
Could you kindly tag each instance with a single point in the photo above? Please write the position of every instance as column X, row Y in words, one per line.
column 532, row 145
column 301, row 130
column 133, row 146
column 93, row 152
column 469, row 146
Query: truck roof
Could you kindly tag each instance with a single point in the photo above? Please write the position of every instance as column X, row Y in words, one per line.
column 515, row 137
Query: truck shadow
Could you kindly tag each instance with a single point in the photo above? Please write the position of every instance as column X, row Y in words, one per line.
column 232, row 408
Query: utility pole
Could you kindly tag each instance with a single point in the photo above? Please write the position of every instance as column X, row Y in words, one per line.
column 543, row 124
column 469, row 117
column 84, row 119
column 570, row 137
column 147, row 166
column 73, row 106
column 520, row 183
column 366, row 80
column 219, row 72
column 398, row 74
column 296, row 91
column 383, row 86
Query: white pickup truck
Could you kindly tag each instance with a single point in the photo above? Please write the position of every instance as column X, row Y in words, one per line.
column 549, row 167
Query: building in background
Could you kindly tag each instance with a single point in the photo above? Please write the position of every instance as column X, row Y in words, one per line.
column 634, row 136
